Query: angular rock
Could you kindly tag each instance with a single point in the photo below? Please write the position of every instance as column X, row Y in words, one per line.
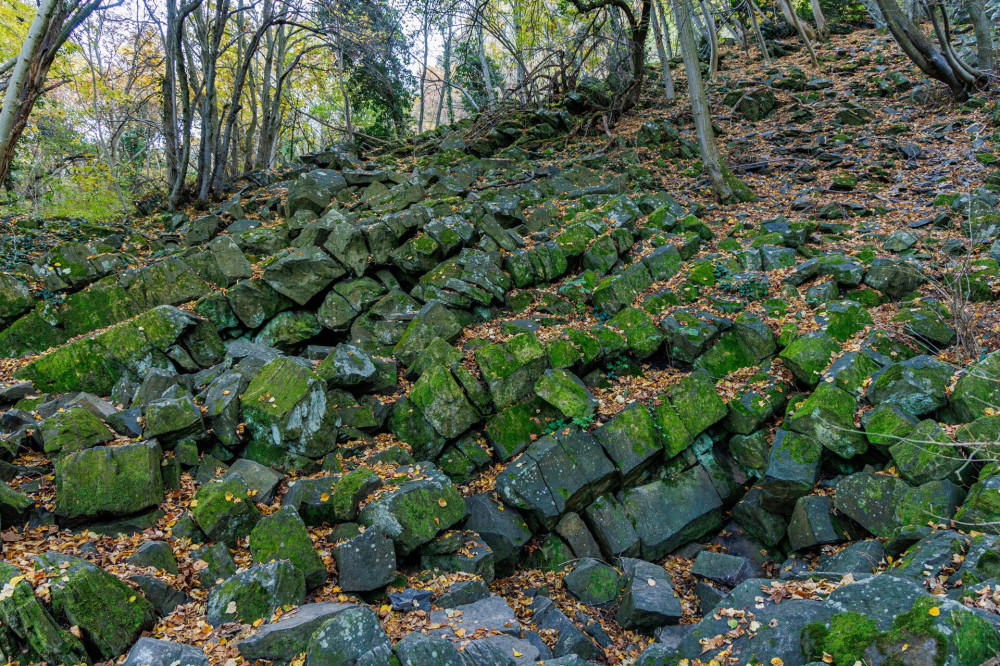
column 283, row 536
column 560, row 472
column 154, row 652
column 109, row 480
column 414, row 513
column 225, row 511
column 366, row 562
column 109, row 613
column 285, row 406
column 255, row 594
column 300, row 274
column 668, row 514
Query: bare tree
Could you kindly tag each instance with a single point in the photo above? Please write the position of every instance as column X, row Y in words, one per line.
column 985, row 58
column 939, row 62
column 662, row 35
column 726, row 186
column 638, row 32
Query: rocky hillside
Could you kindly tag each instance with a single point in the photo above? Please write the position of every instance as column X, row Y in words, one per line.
column 515, row 393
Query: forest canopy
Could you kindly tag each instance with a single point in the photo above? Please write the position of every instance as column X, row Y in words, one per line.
column 124, row 99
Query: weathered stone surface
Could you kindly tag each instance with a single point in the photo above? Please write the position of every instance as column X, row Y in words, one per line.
column 110, row 614
column 285, row 406
column 109, row 480
column 366, row 562
column 283, row 536
column 560, row 472
column 154, row 652
column 256, row 593
column 412, row 515
column 668, row 514
column 225, row 511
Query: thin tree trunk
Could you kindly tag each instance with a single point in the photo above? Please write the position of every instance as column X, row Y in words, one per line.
column 423, row 67
column 984, row 38
column 806, row 32
column 757, row 33
column 348, row 123
column 726, row 186
column 484, row 64
column 15, row 98
column 821, row 27
column 447, row 74
column 658, row 33
column 938, row 64
column 713, row 41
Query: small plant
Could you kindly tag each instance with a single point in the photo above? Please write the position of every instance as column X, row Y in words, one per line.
column 616, row 368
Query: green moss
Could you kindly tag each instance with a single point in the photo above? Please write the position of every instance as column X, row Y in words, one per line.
column 975, row 639
column 849, row 636
column 913, row 626
column 344, row 495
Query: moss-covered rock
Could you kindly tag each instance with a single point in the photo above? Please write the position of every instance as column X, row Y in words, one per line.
column 564, row 391
column 109, row 613
column 443, row 403
column 594, row 583
column 808, row 355
column 285, row 405
column 415, row 512
column 256, row 593
column 978, row 389
column 917, row 386
column 512, row 368
column 927, row 453
column 827, row 415
column 283, row 536
column 109, row 480
column 27, row 617
column 130, row 350
column 224, row 510
column 73, row 430
column 697, row 403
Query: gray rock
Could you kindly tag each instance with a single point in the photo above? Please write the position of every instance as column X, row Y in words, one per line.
column 256, row 593
column 668, row 514
column 290, row 634
column 349, row 638
column 153, row 652
column 366, row 562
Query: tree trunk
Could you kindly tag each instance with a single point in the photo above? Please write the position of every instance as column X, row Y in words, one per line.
column 937, row 64
column 713, row 40
column 985, row 58
column 447, row 74
column 752, row 10
column 806, row 32
column 821, row 27
column 660, row 34
column 726, row 186
column 18, row 98
column 484, row 64
column 423, row 67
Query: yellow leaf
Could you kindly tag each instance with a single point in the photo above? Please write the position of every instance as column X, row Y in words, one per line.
column 194, row 503
column 229, row 497
column 257, row 622
column 131, row 599
column 324, row 497
column 517, row 654
column 776, row 661
column 934, row 611
column 442, row 502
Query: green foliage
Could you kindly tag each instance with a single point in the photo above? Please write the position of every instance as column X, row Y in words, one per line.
column 469, row 73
